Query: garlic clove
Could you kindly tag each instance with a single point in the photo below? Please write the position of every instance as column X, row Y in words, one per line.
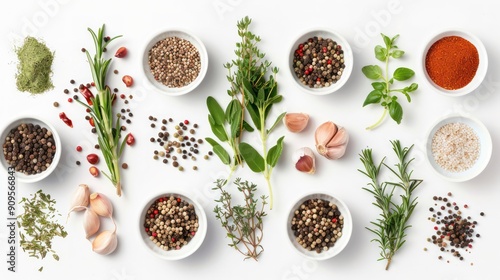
column 331, row 140
column 105, row 243
column 305, row 160
column 296, row 122
column 80, row 198
column 101, row 205
column 91, row 222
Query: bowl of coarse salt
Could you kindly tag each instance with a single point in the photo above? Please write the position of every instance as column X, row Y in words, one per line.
column 175, row 61
column 458, row 147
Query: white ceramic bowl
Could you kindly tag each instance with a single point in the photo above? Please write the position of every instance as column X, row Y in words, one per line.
column 485, row 144
column 348, row 59
column 182, row 34
column 185, row 250
column 481, row 70
column 21, row 177
column 339, row 245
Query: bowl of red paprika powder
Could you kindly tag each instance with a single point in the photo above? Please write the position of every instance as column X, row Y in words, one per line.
column 454, row 62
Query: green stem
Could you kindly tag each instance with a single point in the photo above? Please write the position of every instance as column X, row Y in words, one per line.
column 268, row 170
column 108, row 131
column 375, row 125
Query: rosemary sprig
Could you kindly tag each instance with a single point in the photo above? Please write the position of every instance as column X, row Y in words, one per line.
column 243, row 223
column 390, row 228
column 101, row 110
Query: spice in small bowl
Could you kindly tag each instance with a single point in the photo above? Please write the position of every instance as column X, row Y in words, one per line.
column 454, row 62
column 172, row 225
column 459, row 147
column 175, row 61
column 32, row 147
column 320, row 61
column 319, row 226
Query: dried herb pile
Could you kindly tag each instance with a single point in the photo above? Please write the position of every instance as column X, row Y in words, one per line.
column 34, row 67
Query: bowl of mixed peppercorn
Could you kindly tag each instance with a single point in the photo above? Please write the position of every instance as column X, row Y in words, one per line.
column 320, row 61
column 175, row 61
column 319, row 226
column 31, row 149
column 173, row 225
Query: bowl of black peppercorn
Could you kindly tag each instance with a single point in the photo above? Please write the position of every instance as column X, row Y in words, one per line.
column 320, row 61
column 31, row 149
column 319, row 225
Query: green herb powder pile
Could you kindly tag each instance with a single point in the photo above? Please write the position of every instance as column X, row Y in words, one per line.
column 34, row 67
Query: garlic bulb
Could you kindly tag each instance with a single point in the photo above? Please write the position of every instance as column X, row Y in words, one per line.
column 101, row 205
column 296, row 122
column 331, row 140
column 305, row 160
column 91, row 222
column 105, row 243
column 80, row 197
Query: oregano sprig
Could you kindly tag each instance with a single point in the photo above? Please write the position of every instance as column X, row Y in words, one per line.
column 390, row 228
column 382, row 92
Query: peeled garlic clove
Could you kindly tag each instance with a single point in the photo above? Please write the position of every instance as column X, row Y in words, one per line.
column 296, row 122
column 80, row 197
column 101, row 205
column 331, row 140
column 105, row 243
column 91, row 222
column 305, row 160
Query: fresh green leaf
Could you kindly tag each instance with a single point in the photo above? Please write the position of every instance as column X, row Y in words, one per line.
column 373, row 97
column 396, row 111
column 236, row 125
column 253, row 111
column 275, row 152
column 248, row 90
column 233, row 109
column 217, row 129
column 379, row 85
column 388, row 42
column 219, row 151
column 397, row 53
column 393, row 41
column 403, row 74
column 253, row 159
column 373, row 72
column 247, row 126
column 215, row 110
column 380, row 53
column 276, row 122
column 413, row 87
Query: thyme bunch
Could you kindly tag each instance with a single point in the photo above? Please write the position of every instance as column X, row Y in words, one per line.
column 243, row 223
column 252, row 91
column 101, row 109
column 38, row 227
column 390, row 229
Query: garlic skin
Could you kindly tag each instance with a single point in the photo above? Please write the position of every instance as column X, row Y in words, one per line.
column 105, row 243
column 81, row 197
column 305, row 161
column 101, row 205
column 331, row 140
column 91, row 222
column 296, row 122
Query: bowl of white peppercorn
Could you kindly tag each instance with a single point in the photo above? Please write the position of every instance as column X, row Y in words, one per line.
column 175, row 61
column 320, row 61
column 172, row 225
column 31, row 149
column 458, row 147
column 319, row 225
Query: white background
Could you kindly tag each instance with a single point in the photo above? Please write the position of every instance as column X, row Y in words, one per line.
column 62, row 25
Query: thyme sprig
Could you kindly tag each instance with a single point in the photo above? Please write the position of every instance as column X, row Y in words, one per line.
column 106, row 124
column 254, row 92
column 390, row 229
column 243, row 223
column 38, row 226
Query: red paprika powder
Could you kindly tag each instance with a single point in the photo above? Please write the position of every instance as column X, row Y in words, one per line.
column 452, row 62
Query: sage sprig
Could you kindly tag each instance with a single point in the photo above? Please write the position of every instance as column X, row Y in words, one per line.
column 382, row 92
column 252, row 91
column 390, row 229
